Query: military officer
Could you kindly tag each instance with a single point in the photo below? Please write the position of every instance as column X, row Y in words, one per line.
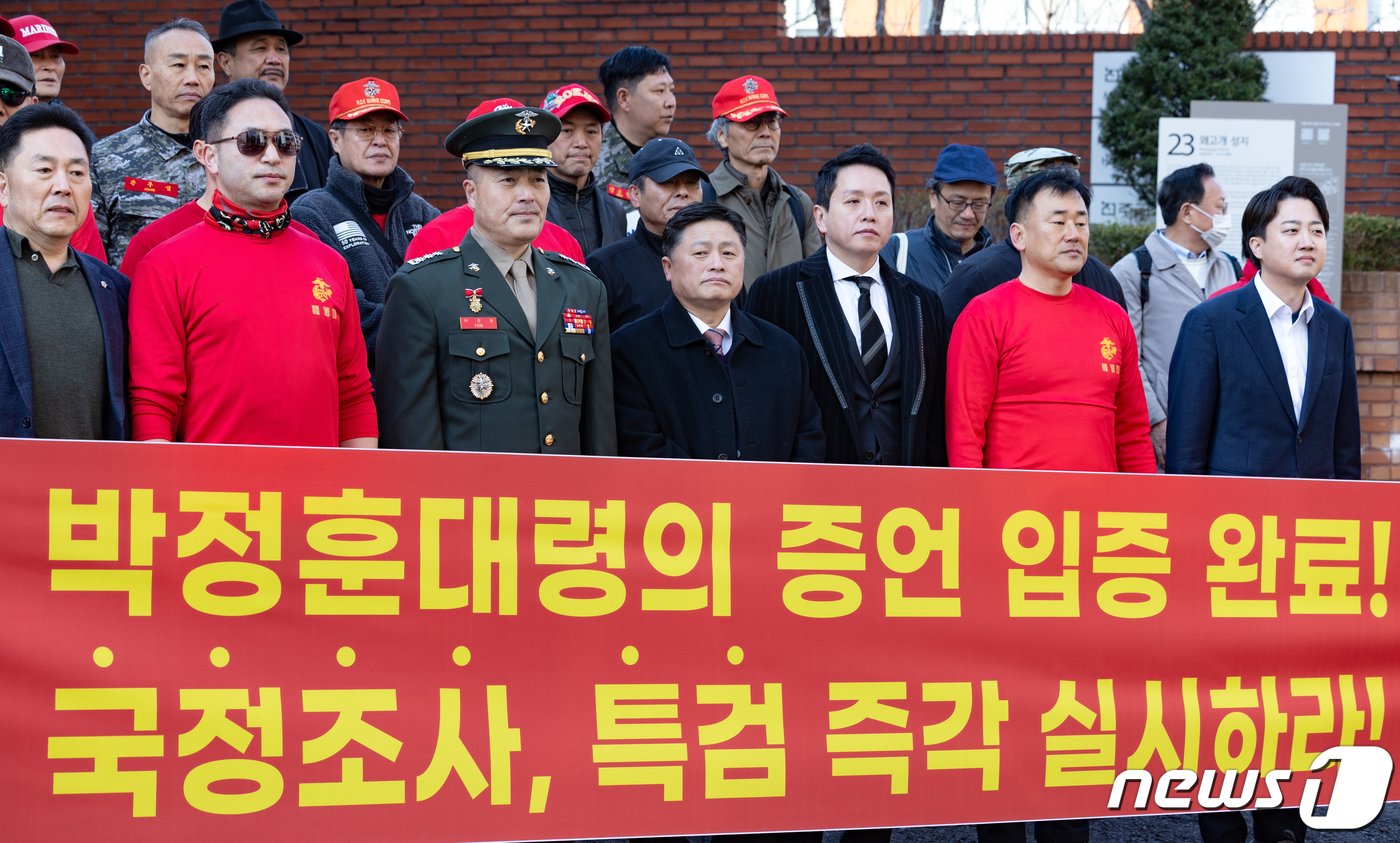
column 494, row 345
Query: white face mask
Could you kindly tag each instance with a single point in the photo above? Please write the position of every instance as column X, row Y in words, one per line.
column 1219, row 229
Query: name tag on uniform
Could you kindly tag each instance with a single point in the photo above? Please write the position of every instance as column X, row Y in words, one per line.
column 577, row 321
column 478, row 323
column 162, row 188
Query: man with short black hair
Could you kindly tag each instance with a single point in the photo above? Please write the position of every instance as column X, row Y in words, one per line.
column 641, row 96
column 874, row 340
column 959, row 193
column 493, row 345
column 243, row 329
column 663, row 178
column 145, row 171
column 1042, row 372
column 46, row 50
column 700, row 379
column 1175, row 269
column 748, row 129
column 1264, row 377
column 1001, row 262
column 367, row 211
column 578, row 203
column 62, row 313
column 253, row 44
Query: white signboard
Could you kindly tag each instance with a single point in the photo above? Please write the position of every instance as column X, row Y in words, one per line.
column 1294, row 77
column 1248, row 156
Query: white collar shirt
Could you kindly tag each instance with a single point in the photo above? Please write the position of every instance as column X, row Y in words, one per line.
column 1291, row 335
column 848, row 294
column 726, row 325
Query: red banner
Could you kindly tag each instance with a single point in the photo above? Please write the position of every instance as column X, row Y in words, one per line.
column 203, row 642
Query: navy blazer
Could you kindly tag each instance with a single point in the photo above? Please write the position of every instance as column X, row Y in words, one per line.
column 801, row 299
column 109, row 292
column 1230, row 411
column 676, row 399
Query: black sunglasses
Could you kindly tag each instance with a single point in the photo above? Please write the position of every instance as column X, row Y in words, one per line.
column 254, row 142
column 14, row 96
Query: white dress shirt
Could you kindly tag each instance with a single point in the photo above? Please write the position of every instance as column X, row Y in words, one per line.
column 1292, row 337
column 726, row 325
column 848, row 293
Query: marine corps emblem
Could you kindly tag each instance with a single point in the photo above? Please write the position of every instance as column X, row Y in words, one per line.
column 1108, row 348
column 525, row 123
column 481, row 385
column 321, row 290
column 372, row 89
column 750, row 85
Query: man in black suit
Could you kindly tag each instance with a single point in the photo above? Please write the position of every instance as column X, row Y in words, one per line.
column 875, row 341
column 701, row 379
column 1263, row 384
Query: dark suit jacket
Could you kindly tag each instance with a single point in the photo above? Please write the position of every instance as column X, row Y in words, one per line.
column 801, row 299
column 450, row 378
column 676, row 399
column 1230, row 411
column 109, row 291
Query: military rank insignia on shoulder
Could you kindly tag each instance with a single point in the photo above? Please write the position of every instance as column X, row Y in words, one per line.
column 431, row 256
column 559, row 256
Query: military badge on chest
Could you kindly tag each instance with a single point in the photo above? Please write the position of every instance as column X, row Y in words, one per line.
column 481, row 385
column 474, row 297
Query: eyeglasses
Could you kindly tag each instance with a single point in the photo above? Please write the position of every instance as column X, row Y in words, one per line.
column 14, row 96
column 957, row 206
column 771, row 120
column 367, row 133
column 253, row 142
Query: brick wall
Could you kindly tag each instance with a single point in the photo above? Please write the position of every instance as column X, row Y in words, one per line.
column 1372, row 300
column 907, row 95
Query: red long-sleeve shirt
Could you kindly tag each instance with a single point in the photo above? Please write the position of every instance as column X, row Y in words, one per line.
column 237, row 339
column 451, row 226
column 1046, row 382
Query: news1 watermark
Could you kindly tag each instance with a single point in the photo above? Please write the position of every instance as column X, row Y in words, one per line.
column 1358, row 792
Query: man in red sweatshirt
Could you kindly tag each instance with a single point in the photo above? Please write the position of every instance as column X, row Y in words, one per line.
column 1043, row 373
column 245, row 330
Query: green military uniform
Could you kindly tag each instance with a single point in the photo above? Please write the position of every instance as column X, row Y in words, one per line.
column 453, row 377
column 460, row 366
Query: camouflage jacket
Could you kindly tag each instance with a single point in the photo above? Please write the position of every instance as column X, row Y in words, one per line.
column 613, row 160
column 140, row 174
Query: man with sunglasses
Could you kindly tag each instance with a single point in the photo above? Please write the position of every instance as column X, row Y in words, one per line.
column 367, row 211
column 493, row 345
column 959, row 194
column 145, row 171
column 253, row 44
column 243, row 329
column 748, row 129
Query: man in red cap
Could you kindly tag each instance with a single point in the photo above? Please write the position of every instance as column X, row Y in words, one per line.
column 367, row 211
column 577, row 201
column 47, row 50
column 448, row 230
column 748, row 129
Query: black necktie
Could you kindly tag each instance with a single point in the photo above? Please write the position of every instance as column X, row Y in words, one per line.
column 873, row 352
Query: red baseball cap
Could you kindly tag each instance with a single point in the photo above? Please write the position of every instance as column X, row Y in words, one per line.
column 571, row 95
column 744, row 98
column 37, row 34
column 488, row 106
column 354, row 100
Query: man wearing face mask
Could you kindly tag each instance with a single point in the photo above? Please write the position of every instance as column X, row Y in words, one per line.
column 1175, row 269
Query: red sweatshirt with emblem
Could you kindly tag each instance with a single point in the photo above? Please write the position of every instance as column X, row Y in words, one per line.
column 1046, row 382
column 241, row 340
